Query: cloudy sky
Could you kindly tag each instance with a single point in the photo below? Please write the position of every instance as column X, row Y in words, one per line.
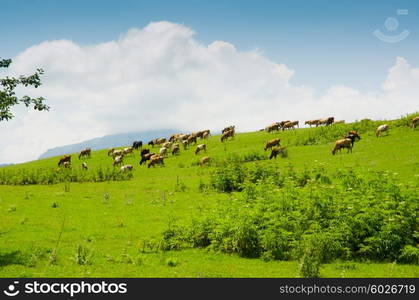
column 204, row 64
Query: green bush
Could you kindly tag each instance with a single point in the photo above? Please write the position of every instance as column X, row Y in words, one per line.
column 53, row 176
column 340, row 215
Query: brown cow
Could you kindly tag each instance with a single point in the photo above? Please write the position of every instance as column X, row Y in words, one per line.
column 415, row 122
column 227, row 134
column 118, row 160
column 232, row 127
column 156, row 159
column 342, row 143
column 290, row 125
column 272, row 127
column 110, row 151
column 85, row 153
column 276, row 150
column 65, row 158
column 271, row 143
column 381, row 129
column 200, row 147
column 146, row 157
column 312, row 122
column 326, row 121
column 204, row 160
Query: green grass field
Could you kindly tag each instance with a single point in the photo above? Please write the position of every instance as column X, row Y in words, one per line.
column 102, row 229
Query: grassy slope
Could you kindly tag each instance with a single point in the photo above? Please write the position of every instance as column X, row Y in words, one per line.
column 140, row 209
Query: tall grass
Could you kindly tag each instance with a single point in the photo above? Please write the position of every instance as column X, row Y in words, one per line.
column 53, row 176
column 313, row 215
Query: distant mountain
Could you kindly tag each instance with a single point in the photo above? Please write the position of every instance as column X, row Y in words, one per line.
column 107, row 141
column 5, row 165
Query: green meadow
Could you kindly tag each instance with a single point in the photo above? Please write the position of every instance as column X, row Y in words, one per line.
column 242, row 215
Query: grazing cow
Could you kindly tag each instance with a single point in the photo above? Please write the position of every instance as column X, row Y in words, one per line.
column 312, row 122
column 116, row 153
column 156, row 159
column 163, row 151
column 206, row 134
column 151, row 143
column 415, row 122
column 200, row 147
column 84, row 166
column 275, row 151
column 342, row 143
column 353, row 135
column 227, row 134
column 118, row 160
column 191, row 139
column 326, row 121
column 175, row 149
column 290, row 125
column 67, row 164
column 65, row 158
column 146, row 157
column 272, row 127
column 204, row 160
column 167, row 145
column 144, row 151
column 85, row 153
column 282, row 123
column 129, row 150
column 232, row 127
column 127, row 168
column 110, row 151
column 381, row 129
column 185, row 144
column 271, row 143
column 137, row 145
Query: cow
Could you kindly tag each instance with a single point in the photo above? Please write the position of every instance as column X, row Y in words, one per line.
column 137, row 145
column 415, row 122
column 272, row 127
column 85, row 153
column 146, row 157
column 204, row 160
column 191, row 139
column 290, row 125
column 206, row 135
column 128, row 150
column 232, row 127
column 282, row 123
column 175, row 149
column 110, row 151
column 118, row 160
column 200, row 147
column 271, row 143
column 275, row 151
column 67, row 164
column 144, row 151
column 156, row 159
column 163, row 151
column 84, row 166
column 312, row 122
column 381, row 129
column 65, row 158
column 167, row 145
column 127, row 168
column 116, row 153
column 342, row 143
column 353, row 136
column 227, row 134
column 326, row 121
column 185, row 144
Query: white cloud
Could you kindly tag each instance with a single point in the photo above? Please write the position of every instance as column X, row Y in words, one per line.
column 161, row 77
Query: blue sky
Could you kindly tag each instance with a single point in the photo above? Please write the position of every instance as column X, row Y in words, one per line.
column 325, row 42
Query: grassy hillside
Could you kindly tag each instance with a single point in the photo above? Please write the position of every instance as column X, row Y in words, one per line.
column 113, row 228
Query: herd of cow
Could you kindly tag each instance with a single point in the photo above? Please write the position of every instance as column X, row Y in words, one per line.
column 174, row 143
